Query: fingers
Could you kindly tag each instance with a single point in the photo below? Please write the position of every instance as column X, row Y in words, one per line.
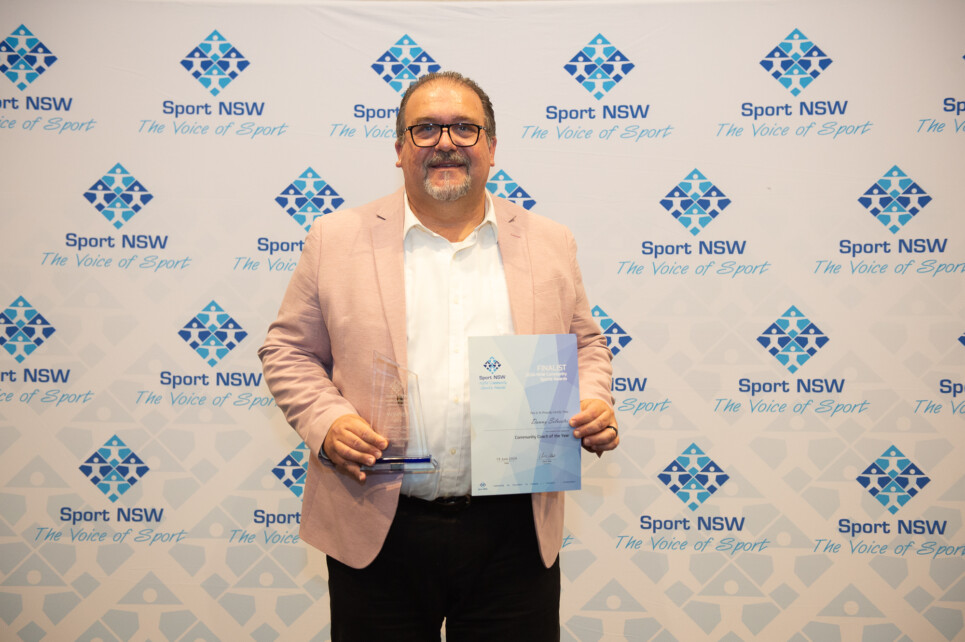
column 606, row 439
column 352, row 470
column 351, row 443
column 594, row 416
column 596, row 426
column 589, row 411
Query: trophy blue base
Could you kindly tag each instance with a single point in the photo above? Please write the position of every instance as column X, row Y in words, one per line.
column 403, row 465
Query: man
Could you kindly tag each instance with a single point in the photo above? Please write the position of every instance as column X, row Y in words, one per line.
column 411, row 276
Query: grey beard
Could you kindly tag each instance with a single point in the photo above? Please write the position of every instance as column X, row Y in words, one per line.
column 451, row 191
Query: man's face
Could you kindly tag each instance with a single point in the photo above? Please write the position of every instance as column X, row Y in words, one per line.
column 445, row 172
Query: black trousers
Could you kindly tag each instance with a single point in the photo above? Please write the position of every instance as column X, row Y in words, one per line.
column 476, row 566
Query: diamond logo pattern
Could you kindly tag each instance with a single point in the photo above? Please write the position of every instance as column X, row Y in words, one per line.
column 693, row 477
column 695, row 202
column 23, row 329
column 114, row 468
column 118, row 196
column 492, row 365
column 309, row 197
column 793, row 339
column 404, row 63
column 796, row 62
column 215, row 63
column 599, row 66
column 893, row 479
column 503, row 185
column 961, row 339
column 23, row 57
column 292, row 470
column 894, row 199
column 212, row 333
column 616, row 337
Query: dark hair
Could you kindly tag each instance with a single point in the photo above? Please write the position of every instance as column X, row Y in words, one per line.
column 453, row 77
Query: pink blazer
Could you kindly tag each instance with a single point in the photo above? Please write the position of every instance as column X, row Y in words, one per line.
column 346, row 299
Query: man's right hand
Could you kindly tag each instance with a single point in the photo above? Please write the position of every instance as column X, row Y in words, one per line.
column 351, row 443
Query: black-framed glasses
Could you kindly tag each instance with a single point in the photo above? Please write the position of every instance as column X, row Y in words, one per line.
column 429, row 134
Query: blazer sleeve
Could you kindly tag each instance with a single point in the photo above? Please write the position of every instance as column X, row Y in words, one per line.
column 296, row 356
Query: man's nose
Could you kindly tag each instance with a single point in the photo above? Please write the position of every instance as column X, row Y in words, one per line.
column 445, row 142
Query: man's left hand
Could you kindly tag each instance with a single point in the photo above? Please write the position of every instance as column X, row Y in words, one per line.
column 596, row 426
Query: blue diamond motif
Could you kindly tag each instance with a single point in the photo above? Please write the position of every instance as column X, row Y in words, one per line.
column 492, row 365
column 404, row 63
column 118, row 196
column 792, row 339
column 215, row 63
column 309, row 197
column 23, row 57
column 693, row 477
column 893, row 479
column 292, row 470
column 212, row 333
column 114, row 468
column 796, row 62
column 894, row 199
column 502, row 185
column 599, row 66
column 616, row 337
column 695, row 202
column 23, row 329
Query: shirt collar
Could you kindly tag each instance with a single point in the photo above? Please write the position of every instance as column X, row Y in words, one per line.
column 410, row 221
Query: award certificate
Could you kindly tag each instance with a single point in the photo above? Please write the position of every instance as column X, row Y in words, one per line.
column 523, row 389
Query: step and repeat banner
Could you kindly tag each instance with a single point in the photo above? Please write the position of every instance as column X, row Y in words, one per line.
column 768, row 203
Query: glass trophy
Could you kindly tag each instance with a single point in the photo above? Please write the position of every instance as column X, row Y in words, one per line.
column 397, row 416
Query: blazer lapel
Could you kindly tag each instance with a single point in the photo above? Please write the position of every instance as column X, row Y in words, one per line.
column 387, row 245
column 518, row 268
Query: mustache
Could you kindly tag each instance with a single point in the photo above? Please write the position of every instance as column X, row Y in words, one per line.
column 446, row 158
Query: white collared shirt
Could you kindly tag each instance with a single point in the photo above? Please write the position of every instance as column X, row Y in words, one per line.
column 452, row 291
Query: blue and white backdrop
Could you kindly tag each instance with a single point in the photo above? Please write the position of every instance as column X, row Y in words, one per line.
column 768, row 202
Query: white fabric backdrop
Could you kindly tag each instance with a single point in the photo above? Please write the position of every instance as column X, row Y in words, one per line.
column 186, row 553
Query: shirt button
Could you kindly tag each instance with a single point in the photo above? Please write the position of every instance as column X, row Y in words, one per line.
column 455, row 400
column 452, row 451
